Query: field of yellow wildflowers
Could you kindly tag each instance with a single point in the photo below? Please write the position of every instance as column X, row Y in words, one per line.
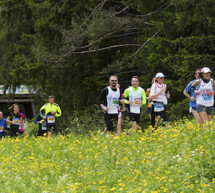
column 179, row 159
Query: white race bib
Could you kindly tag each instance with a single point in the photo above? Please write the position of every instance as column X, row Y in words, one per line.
column 50, row 118
column 1, row 129
column 206, row 98
column 43, row 127
column 158, row 107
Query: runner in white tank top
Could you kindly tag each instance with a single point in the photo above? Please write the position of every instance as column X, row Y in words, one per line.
column 109, row 101
column 205, row 95
column 159, row 98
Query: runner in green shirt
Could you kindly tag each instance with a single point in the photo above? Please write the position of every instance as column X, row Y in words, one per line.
column 135, row 97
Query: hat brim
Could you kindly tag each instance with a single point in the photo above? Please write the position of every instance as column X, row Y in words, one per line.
column 207, row 72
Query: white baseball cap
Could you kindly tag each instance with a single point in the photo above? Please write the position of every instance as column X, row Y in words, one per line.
column 206, row 70
column 159, row 75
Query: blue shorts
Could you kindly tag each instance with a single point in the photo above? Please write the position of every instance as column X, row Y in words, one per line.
column 194, row 108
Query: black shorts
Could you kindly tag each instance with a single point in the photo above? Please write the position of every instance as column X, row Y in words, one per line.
column 41, row 132
column 149, row 110
column 51, row 127
column 134, row 117
column 14, row 130
column 111, row 121
column 162, row 115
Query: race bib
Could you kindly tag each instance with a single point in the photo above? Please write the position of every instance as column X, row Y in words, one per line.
column 206, row 98
column 51, row 119
column 17, row 121
column 158, row 107
column 115, row 102
column 1, row 129
column 43, row 127
column 135, row 102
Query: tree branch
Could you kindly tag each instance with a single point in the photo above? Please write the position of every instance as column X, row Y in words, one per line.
column 106, row 48
column 135, row 54
column 156, row 11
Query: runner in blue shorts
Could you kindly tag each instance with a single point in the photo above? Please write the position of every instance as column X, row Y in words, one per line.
column 188, row 92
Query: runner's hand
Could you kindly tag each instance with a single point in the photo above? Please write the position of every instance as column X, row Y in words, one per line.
column 197, row 92
column 139, row 102
column 210, row 93
column 192, row 98
column 106, row 109
column 149, row 99
column 44, row 117
column 52, row 112
column 122, row 102
column 124, row 108
column 168, row 95
column 130, row 102
column 163, row 90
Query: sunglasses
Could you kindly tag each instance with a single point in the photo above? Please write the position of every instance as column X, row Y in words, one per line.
column 114, row 80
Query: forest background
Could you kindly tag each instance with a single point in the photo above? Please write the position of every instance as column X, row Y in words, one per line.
column 69, row 48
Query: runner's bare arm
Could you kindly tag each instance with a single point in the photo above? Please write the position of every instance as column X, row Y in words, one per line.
column 186, row 94
column 148, row 91
column 196, row 83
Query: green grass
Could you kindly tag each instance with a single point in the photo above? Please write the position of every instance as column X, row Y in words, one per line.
column 180, row 159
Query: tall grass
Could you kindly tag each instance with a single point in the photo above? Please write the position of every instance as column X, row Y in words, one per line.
column 178, row 159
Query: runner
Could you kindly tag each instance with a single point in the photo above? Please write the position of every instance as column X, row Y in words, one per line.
column 119, row 127
column 52, row 110
column 188, row 92
column 41, row 122
column 109, row 102
column 135, row 96
column 159, row 98
column 205, row 95
column 149, row 108
column 3, row 125
column 15, row 120
column 21, row 129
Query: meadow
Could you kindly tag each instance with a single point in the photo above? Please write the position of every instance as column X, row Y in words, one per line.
column 178, row 159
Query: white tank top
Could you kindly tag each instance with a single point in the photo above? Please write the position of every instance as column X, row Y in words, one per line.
column 203, row 98
column 133, row 96
column 113, row 100
column 156, row 88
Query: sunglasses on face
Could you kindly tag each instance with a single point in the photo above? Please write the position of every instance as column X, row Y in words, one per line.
column 114, row 80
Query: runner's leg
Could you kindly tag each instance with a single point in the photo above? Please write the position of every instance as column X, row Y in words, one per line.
column 196, row 116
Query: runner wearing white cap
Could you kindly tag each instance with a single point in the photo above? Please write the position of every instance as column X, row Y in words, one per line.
column 159, row 98
column 205, row 95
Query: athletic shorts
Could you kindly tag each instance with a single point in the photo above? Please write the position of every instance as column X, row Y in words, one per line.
column 134, row 117
column 208, row 110
column 111, row 120
column 194, row 108
column 149, row 110
column 14, row 130
column 51, row 127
